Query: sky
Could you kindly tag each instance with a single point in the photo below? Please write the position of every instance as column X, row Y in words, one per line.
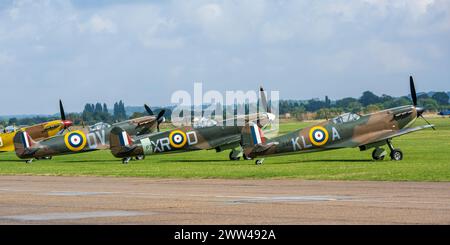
column 142, row 51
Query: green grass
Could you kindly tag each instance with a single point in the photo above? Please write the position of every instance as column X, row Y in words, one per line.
column 426, row 158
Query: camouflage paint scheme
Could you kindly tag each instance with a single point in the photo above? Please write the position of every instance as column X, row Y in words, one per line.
column 365, row 132
column 184, row 139
column 38, row 132
column 78, row 141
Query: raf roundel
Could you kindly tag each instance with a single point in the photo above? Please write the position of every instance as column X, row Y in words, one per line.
column 318, row 135
column 177, row 138
column 75, row 140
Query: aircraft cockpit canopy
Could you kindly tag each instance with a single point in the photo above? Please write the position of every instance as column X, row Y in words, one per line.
column 346, row 117
column 204, row 122
column 99, row 126
column 10, row 129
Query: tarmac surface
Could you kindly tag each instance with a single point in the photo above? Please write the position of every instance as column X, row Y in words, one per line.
column 110, row 200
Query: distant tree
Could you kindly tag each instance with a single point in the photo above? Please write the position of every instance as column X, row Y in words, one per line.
column 323, row 113
column 441, row 98
column 298, row 112
column 354, row 107
column 429, row 104
column 327, row 101
column 372, row 108
column 423, row 96
column 137, row 114
column 314, row 105
column 98, row 108
column 345, row 102
column 368, row 98
column 12, row 121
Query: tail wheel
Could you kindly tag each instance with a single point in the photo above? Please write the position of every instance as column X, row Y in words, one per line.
column 396, row 155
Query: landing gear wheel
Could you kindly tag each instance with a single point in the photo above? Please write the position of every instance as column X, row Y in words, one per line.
column 140, row 157
column 378, row 154
column 259, row 161
column 396, row 155
column 232, row 158
column 126, row 160
column 29, row 161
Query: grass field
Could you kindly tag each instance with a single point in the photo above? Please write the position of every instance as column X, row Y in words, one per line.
column 426, row 158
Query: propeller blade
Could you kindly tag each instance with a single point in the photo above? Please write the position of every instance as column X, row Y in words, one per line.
column 61, row 111
column 160, row 115
column 264, row 99
column 149, row 111
column 160, row 119
column 427, row 122
column 413, row 90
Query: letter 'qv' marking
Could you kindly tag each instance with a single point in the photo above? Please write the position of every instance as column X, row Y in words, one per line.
column 147, row 146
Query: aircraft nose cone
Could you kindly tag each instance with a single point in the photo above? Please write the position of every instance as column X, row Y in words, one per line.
column 419, row 110
column 67, row 123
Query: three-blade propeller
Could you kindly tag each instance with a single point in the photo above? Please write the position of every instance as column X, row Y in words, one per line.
column 66, row 123
column 419, row 110
column 159, row 119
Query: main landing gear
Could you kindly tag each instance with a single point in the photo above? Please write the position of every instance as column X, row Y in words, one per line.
column 396, row 154
column 237, row 153
column 126, row 160
column 379, row 153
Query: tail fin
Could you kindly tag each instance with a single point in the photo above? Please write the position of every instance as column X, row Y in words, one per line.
column 121, row 144
column 253, row 141
column 24, row 145
column 252, row 135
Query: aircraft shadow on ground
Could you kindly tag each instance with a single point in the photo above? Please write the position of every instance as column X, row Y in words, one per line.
column 329, row 160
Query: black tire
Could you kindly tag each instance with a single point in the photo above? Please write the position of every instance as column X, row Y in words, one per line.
column 375, row 157
column 233, row 158
column 258, row 162
column 245, row 157
column 396, row 155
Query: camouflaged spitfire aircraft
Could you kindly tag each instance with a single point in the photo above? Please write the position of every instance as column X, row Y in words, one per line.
column 346, row 131
column 204, row 137
column 95, row 137
column 37, row 131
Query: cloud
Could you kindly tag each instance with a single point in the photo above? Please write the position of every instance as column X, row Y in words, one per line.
column 97, row 24
column 141, row 51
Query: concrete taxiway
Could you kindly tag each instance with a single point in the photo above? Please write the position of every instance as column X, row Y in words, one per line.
column 110, row 200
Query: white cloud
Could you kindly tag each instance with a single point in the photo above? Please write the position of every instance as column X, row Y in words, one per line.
column 393, row 57
column 99, row 24
column 167, row 44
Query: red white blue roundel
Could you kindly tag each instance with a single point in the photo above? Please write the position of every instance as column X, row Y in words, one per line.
column 177, row 138
column 318, row 135
column 75, row 140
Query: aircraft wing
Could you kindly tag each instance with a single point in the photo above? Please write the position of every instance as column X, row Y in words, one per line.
column 225, row 141
column 263, row 147
column 400, row 133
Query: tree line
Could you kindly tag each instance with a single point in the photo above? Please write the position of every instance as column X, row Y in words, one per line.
column 319, row 109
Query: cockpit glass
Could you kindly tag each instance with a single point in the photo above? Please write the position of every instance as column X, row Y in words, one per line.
column 99, row 126
column 204, row 122
column 346, row 117
column 10, row 129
